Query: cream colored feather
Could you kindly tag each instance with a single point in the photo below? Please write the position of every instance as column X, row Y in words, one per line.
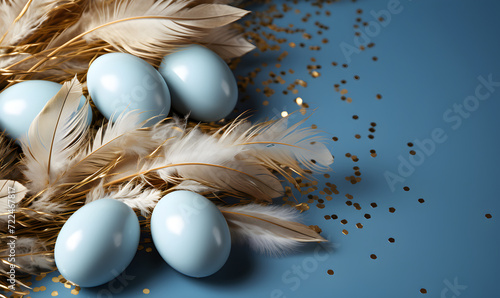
column 11, row 192
column 268, row 229
column 227, row 42
column 136, row 196
column 210, row 163
column 20, row 18
column 54, row 137
column 168, row 24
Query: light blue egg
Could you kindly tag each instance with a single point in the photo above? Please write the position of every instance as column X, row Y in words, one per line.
column 97, row 242
column 121, row 82
column 22, row 102
column 190, row 233
column 200, row 82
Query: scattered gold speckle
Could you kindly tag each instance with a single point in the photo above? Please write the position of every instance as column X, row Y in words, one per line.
column 74, row 292
column 488, row 215
column 330, row 272
column 316, row 228
column 421, row 200
column 392, row 209
column 344, row 221
column 55, row 279
column 345, row 232
column 36, row 289
column 373, row 256
column 146, row 291
column 299, row 101
column 284, row 114
column 391, row 240
column 315, row 74
column 42, row 288
column 359, row 225
column 55, row 293
column 149, row 249
column 423, row 291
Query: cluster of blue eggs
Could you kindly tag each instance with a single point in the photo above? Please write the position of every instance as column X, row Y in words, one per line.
column 99, row 240
column 194, row 81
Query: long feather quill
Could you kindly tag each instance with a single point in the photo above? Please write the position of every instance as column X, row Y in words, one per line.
column 55, row 136
column 268, row 229
column 169, row 24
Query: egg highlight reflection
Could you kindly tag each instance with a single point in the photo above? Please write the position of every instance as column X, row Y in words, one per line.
column 190, row 233
column 120, row 82
column 200, row 82
column 22, row 102
column 97, row 242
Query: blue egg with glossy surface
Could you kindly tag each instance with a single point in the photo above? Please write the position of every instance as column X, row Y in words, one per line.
column 120, row 82
column 200, row 82
column 97, row 242
column 190, row 233
column 22, row 102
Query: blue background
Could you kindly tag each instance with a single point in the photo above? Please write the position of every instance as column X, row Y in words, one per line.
column 430, row 55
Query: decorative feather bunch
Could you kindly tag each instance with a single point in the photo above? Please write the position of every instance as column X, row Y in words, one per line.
column 56, row 39
column 64, row 164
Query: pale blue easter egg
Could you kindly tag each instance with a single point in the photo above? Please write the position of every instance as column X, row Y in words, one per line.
column 97, row 242
column 200, row 82
column 22, row 102
column 190, row 233
column 120, row 82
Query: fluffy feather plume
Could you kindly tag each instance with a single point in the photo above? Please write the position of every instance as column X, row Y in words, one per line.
column 136, row 196
column 55, row 135
column 268, row 229
column 31, row 255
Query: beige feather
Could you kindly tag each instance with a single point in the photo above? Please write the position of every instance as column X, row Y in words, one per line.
column 11, row 192
column 169, row 24
column 227, row 42
column 268, row 229
column 20, row 18
column 136, row 196
column 55, row 135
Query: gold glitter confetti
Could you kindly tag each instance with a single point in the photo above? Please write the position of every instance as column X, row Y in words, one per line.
column 359, row 225
column 284, row 114
column 42, row 288
column 146, row 291
column 149, row 249
column 54, row 293
column 345, row 232
column 74, row 292
column 55, row 279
